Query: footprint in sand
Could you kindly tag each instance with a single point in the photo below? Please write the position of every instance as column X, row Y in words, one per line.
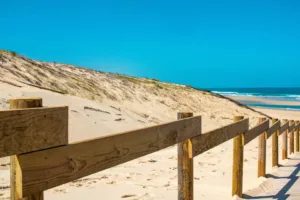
column 64, row 191
column 128, row 195
column 111, row 182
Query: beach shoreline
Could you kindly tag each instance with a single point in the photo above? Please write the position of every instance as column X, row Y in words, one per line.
column 264, row 100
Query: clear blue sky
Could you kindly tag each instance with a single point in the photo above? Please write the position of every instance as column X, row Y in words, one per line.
column 209, row 43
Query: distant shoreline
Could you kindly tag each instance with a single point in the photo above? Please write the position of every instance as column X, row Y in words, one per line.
column 264, row 100
column 263, row 103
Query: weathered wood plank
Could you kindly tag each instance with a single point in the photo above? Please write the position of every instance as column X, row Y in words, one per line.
column 261, row 169
column 15, row 169
column 36, row 196
column 275, row 132
column 297, row 136
column 237, row 165
column 46, row 169
column 284, row 127
column 292, row 125
column 297, row 126
column 256, row 131
column 273, row 128
column 185, row 166
column 33, row 129
column 16, row 192
column 206, row 141
column 291, row 130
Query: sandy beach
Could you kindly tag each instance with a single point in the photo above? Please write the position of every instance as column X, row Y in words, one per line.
column 265, row 101
column 125, row 103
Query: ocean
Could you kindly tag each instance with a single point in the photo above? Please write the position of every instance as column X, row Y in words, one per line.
column 282, row 94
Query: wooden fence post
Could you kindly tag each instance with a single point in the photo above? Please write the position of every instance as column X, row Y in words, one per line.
column 261, row 152
column 16, row 191
column 297, row 138
column 284, row 143
column 238, row 159
column 185, row 166
column 292, row 146
column 275, row 146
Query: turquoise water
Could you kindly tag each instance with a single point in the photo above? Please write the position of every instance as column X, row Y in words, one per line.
column 262, row 105
column 283, row 94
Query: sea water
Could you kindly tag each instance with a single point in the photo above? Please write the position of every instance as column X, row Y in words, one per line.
column 283, row 94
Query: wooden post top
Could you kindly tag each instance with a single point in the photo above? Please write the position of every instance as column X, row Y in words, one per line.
column 274, row 120
column 27, row 98
column 261, row 119
column 182, row 115
column 238, row 118
column 25, row 102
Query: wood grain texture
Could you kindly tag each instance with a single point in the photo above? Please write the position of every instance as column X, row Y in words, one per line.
column 33, row 129
column 291, row 125
column 274, row 128
column 284, row 139
column 275, row 133
column 46, row 169
column 238, row 159
column 284, row 127
column 16, row 191
column 185, row 166
column 36, row 196
column 261, row 169
column 297, row 141
column 291, row 129
column 206, row 141
column 21, row 103
column 256, row 131
column 297, row 125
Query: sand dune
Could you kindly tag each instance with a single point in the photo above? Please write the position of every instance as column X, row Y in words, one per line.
column 102, row 104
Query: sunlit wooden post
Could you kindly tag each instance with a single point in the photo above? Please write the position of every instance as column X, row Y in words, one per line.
column 261, row 152
column 284, row 142
column 297, row 137
column 238, row 157
column 185, row 166
column 275, row 145
column 16, row 192
column 292, row 146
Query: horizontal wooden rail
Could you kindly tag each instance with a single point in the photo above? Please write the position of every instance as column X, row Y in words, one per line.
column 206, row 141
column 297, row 125
column 46, row 169
column 291, row 126
column 273, row 128
column 32, row 129
column 284, row 127
column 256, row 131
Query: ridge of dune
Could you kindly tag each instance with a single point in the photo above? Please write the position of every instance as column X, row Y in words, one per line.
column 115, row 88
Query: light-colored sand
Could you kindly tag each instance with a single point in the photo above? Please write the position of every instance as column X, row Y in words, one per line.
column 266, row 101
column 127, row 104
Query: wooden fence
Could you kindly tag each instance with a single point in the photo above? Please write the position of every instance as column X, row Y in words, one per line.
column 36, row 138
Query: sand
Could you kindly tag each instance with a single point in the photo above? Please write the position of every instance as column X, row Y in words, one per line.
column 136, row 105
column 266, row 101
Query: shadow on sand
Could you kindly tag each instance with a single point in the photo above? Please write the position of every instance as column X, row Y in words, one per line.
column 281, row 195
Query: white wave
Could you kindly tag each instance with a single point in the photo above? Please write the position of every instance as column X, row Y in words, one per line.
column 234, row 93
column 294, row 97
column 296, row 109
column 220, row 92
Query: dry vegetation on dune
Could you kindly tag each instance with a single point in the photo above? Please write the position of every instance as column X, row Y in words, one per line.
column 100, row 86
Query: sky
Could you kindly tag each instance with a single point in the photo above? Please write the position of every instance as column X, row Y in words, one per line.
column 205, row 44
